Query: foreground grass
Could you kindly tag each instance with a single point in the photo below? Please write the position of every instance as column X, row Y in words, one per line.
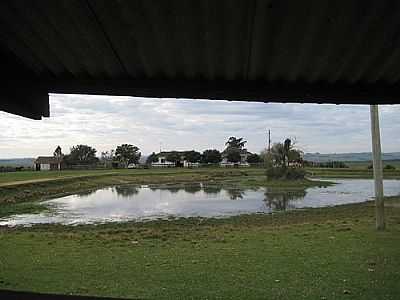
column 331, row 253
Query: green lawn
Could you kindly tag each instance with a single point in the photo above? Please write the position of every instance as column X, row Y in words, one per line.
column 25, row 176
column 15, row 177
column 12, row 178
column 8, row 177
column 365, row 164
column 332, row 253
column 329, row 253
column 351, row 173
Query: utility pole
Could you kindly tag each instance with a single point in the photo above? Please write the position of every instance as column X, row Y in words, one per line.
column 268, row 154
column 377, row 165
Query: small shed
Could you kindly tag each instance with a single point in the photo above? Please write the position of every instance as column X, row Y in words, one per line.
column 48, row 163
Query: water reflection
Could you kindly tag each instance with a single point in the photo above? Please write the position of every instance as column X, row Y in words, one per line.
column 209, row 189
column 274, row 199
column 130, row 202
column 126, row 190
column 235, row 194
column 212, row 189
column 85, row 193
column 281, row 200
column 192, row 188
column 172, row 189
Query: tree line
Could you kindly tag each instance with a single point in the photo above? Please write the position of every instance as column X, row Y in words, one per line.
column 280, row 154
column 124, row 154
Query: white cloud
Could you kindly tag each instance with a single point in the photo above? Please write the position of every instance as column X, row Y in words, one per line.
column 105, row 121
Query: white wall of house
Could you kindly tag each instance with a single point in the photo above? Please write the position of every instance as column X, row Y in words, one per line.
column 243, row 161
column 188, row 164
column 44, row 167
column 163, row 162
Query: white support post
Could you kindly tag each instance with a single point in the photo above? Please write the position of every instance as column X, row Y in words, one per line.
column 377, row 165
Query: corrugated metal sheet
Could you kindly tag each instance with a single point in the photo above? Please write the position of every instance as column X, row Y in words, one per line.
column 313, row 51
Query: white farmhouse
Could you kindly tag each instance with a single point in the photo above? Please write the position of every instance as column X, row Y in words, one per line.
column 163, row 162
column 48, row 163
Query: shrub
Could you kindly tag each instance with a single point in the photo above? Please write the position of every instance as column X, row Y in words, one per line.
column 329, row 164
column 282, row 173
column 389, row 167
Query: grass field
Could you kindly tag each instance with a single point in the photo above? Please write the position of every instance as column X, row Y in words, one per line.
column 351, row 173
column 332, row 253
column 31, row 176
column 365, row 164
column 329, row 253
column 356, row 170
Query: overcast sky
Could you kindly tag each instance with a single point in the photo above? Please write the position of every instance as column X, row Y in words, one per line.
column 178, row 124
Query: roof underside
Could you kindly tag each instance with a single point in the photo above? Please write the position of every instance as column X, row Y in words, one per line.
column 253, row 50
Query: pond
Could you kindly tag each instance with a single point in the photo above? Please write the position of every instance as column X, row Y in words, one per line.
column 142, row 203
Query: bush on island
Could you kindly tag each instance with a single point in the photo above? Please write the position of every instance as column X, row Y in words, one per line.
column 285, row 173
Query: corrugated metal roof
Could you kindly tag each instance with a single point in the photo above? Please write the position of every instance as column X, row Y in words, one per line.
column 48, row 160
column 296, row 51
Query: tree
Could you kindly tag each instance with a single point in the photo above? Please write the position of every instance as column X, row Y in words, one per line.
column 107, row 157
column 234, row 146
column 151, row 158
column 278, row 154
column 174, row 156
column 295, row 155
column 58, row 152
column 233, row 155
column 127, row 154
column 253, row 158
column 234, row 142
column 211, row 156
column 289, row 152
column 266, row 158
column 193, row 156
column 82, row 154
column 284, row 153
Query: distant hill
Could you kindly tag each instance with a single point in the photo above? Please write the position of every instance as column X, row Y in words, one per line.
column 364, row 156
column 17, row 162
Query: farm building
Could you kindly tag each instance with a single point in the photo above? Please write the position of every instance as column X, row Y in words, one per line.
column 162, row 160
column 48, row 163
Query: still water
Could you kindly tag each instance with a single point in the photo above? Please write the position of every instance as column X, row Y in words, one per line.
column 140, row 203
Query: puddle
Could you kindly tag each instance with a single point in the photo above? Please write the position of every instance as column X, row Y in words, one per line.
column 140, row 203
